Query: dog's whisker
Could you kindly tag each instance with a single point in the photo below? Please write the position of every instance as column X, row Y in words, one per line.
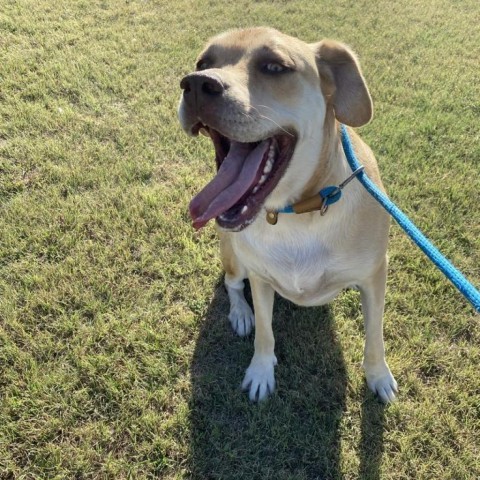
column 265, row 117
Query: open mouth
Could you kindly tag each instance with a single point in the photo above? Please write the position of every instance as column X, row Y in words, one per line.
column 246, row 174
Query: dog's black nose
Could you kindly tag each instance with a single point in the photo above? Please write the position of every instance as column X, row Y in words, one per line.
column 201, row 83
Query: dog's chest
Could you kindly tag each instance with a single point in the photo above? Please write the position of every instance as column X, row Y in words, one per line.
column 302, row 266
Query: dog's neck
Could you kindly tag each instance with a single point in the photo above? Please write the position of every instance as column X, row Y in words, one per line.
column 332, row 166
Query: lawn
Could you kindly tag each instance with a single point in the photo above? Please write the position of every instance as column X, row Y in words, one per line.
column 116, row 357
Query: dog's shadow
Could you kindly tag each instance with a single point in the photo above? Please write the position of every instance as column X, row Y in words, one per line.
column 293, row 435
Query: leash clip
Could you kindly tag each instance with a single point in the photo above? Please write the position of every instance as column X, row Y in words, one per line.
column 332, row 194
column 359, row 170
column 324, row 207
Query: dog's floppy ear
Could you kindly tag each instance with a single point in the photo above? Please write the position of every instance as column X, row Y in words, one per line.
column 342, row 83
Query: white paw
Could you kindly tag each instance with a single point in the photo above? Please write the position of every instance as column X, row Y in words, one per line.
column 241, row 318
column 381, row 382
column 260, row 377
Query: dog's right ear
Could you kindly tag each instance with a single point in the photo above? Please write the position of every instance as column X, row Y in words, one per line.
column 342, row 83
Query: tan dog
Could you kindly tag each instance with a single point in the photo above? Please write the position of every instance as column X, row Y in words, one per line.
column 271, row 105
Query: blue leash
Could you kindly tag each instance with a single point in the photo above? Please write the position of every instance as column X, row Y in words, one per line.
column 331, row 194
column 454, row 275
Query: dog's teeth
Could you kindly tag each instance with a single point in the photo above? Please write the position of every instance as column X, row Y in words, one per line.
column 268, row 166
column 255, row 190
column 262, row 179
column 204, row 132
column 244, row 210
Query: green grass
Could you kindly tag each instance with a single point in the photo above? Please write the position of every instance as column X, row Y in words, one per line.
column 116, row 358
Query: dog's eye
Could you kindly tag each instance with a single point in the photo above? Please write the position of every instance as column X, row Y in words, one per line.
column 202, row 64
column 275, row 67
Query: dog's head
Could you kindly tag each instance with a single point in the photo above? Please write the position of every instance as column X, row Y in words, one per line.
column 263, row 97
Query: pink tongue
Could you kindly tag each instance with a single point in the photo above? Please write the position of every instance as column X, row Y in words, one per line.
column 236, row 175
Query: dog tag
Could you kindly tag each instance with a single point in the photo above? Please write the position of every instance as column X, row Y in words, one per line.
column 272, row 218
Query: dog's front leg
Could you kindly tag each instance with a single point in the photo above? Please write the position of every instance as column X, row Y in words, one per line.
column 379, row 378
column 260, row 377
